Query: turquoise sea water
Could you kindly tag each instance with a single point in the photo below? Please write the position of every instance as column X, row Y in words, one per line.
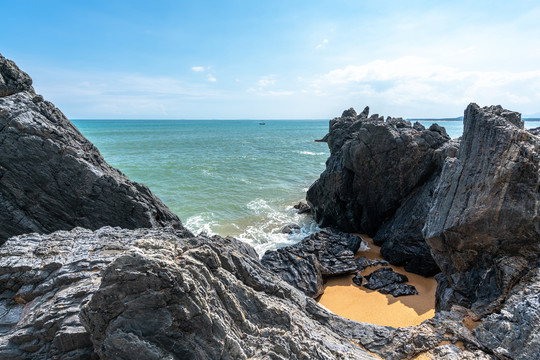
column 224, row 177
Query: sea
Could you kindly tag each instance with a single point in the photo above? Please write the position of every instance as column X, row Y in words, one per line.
column 226, row 177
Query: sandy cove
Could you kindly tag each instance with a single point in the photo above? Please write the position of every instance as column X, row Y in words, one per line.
column 344, row 298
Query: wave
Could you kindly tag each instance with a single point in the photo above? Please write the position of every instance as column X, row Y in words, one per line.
column 200, row 224
column 310, row 153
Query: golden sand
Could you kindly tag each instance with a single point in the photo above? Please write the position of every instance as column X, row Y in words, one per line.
column 344, row 298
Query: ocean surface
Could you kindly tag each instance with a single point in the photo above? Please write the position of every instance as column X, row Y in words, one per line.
column 226, row 177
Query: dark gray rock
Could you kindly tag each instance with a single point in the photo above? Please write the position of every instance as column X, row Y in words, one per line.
column 324, row 253
column 160, row 293
column 290, row 228
column 363, row 262
column 52, row 178
column 358, row 279
column 484, row 225
column 13, row 79
column 373, row 166
column 302, row 208
column 401, row 238
column 154, row 294
column 514, row 331
column 383, row 277
column 398, row 289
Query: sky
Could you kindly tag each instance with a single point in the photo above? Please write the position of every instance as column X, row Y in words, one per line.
column 276, row 59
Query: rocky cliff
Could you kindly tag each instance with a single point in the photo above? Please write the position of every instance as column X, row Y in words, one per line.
column 375, row 168
column 52, row 178
column 484, row 225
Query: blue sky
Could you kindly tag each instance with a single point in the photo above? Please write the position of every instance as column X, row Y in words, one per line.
column 276, row 59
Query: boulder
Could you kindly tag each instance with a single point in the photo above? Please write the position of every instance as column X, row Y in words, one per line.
column 382, row 277
column 324, row 253
column 302, row 208
column 52, row 178
column 363, row 262
column 484, row 227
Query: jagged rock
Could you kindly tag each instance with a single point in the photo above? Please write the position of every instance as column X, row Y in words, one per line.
column 302, row 208
column 383, row 277
column 302, row 272
column 358, row 279
column 484, row 227
column 401, row 239
column 290, row 228
column 52, row 178
column 363, row 262
column 373, row 166
column 160, row 293
column 324, row 253
column 398, row 289
column 154, row 293
column 514, row 331
column 12, row 79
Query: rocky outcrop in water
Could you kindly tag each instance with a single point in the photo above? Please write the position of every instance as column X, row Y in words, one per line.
column 324, row 253
column 484, row 225
column 376, row 175
column 52, row 178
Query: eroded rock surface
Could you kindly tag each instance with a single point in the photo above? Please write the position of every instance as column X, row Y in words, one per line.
column 514, row 331
column 52, row 178
column 378, row 172
column 373, row 166
column 324, row 253
column 153, row 294
column 484, row 225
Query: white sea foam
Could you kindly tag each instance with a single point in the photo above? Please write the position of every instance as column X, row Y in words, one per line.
column 310, row 153
column 200, row 223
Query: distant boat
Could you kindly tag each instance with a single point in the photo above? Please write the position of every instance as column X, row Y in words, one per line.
column 261, row 123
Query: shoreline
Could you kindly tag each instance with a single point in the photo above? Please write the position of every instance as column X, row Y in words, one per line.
column 342, row 297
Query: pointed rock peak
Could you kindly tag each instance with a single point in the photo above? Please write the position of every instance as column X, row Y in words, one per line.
column 493, row 112
column 364, row 114
column 349, row 113
column 12, row 79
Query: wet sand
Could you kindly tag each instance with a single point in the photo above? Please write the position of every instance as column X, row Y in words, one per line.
column 344, row 298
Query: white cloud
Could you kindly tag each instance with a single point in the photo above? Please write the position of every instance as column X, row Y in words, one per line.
column 211, row 78
column 324, row 42
column 267, row 80
column 198, row 68
column 420, row 81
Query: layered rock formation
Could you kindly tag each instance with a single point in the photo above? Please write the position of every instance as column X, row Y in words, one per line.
column 153, row 294
column 484, row 225
column 52, row 178
column 162, row 293
column 324, row 253
column 376, row 168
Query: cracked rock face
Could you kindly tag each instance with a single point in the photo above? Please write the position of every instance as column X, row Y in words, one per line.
column 373, row 166
column 154, row 294
column 379, row 181
column 484, row 225
column 52, row 178
column 324, row 253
